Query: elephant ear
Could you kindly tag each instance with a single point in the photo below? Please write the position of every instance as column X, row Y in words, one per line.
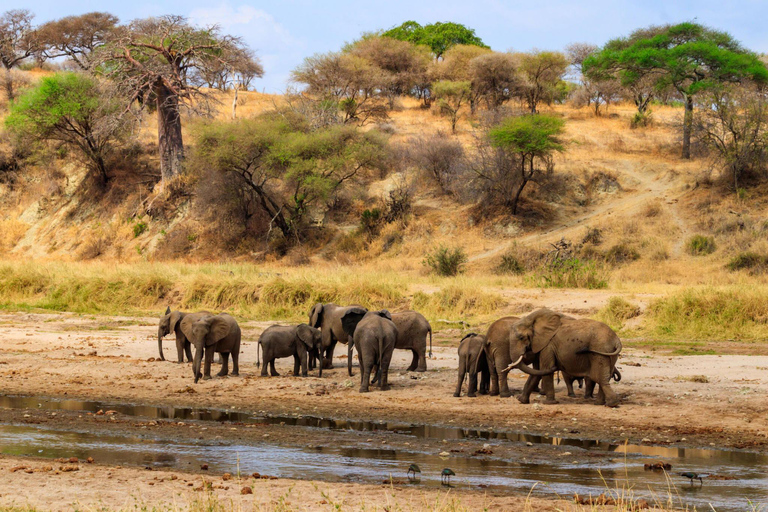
column 351, row 318
column 220, row 326
column 385, row 314
column 176, row 317
column 316, row 315
column 545, row 325
column 305, row 334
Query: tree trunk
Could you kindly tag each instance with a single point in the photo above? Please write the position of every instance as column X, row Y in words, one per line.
column 8, row 85
column 687, row 126
column 234, row 103
column 169, row 138
column 523, row 182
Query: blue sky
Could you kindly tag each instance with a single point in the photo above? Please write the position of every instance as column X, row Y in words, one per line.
column 284, row 32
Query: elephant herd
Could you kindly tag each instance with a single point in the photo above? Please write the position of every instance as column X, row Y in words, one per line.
column 539, row 344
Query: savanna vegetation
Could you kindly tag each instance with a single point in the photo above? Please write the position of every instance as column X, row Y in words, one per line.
column 416, row 166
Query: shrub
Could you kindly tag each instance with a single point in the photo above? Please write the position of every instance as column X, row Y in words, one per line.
column 510, row 264
column 641, row 119
column 593, row 236
column 617, row 311
column 445, row 261
column 621, row 253
column 139, row 228
column 700, row 245
column 370, row 222
column 748, row 261
column 572, row 273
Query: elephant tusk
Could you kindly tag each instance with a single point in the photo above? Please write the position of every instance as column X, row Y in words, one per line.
column 508, row 368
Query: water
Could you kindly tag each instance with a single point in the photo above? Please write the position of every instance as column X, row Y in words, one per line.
column 560, row 477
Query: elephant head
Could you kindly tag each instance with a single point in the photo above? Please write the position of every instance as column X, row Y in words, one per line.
column 316, row 316
column 353, row 316
column 310, row 337
column 206, row 332
column 529, row 336
column 168, row 323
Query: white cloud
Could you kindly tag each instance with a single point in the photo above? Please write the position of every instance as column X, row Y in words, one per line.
column 257, row 26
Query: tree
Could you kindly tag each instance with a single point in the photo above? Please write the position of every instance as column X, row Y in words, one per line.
column 455, row 67
column 287, row 167
column 76, row 37
column 541, row 73
column 348, row 81
column 18, row 42
column 735, row 127
column 163, row 59
column 530, row 138
column 494, row 78
column 74, row 110
column 439, row 37
column 687, row 56
column 594, row 91
column 450, row 97
column 440, row 157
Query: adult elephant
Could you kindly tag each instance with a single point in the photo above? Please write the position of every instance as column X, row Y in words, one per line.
column 374, row 335
column 279, row 341
column 412, row 331
column 327, row 318
column 499, row 356
column 213, row 334
column 170, row 322
column 578, row 347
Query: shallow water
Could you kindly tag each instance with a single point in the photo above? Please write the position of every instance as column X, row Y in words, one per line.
column 557, row 478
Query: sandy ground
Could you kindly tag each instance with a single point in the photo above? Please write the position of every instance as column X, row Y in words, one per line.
column 111, row 359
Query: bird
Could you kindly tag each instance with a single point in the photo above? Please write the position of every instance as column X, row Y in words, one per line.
column 445, row 476
column 693, row 476
column 413, row 468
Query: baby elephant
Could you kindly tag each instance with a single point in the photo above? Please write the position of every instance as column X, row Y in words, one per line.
column 472, row 360
column 285, row 341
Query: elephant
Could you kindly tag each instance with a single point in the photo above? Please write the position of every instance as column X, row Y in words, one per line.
column 327, row 318
column 497, row 350
column 472, row 360
column 213, row 334
column 286, row 341
column 412, row 330
column 170, row 322
column 374, row 335
column 578, row 347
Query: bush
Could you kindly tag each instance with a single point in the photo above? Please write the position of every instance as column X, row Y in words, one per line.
column 621, row 253
column 510, row 264
column 370, row 222
column 593, row 236
column 446, row 262
column 748, row 261
column 572, row 273
column 139, row 228
column 700, row 245
column 617, row 311
column 641, row 119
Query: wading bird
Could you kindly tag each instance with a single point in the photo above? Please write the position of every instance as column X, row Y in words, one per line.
column 413, row 468
column 693, row 476
column 445, row 476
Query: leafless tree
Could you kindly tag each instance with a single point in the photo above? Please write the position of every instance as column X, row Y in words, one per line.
column 18, row 42
column 164, row 58
column 541, row 72
column 76, row 37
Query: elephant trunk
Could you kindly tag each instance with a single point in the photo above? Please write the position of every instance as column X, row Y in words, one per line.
column 536, row 373
column 160, row 344
column 196, row 363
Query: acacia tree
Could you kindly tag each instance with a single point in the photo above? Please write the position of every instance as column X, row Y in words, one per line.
column 494, row 78
column 18, row 42
column 163, row 59
column 529, row 138
column 74, row 110
column 76, row 37
column 455, row 66
column 541, row 73
column 439, row 37
column 687, row 56
column 451, row 96
column 594, row 91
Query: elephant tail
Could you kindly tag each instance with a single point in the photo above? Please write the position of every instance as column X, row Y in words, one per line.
column 379, row 357
column 258, row 359
column 350, row 346
column 616, row 375
column 430, row 342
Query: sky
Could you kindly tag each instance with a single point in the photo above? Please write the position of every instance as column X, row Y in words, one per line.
column 284, row 32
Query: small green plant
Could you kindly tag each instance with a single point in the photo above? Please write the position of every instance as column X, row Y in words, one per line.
column 510, row 264
column 748, row 261
column 192, row 237
column 641, row 119
column 700, row 245
column 445, row 261
column 621, row 253
column 139, row 228
column 370, row 222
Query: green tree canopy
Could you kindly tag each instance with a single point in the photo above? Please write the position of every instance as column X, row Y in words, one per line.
column 687, row 56
column 439, row 37
column 72, row 109
column 530, row 137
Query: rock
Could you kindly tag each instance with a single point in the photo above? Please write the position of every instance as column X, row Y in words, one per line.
column 226, row 476
column 100, row 413
column 73, row 460
column 204, row 467
column 256, row 475
column 67, row 469
column 246, row 490
column 645, row 440
column 444, row 454
column 110, row 413
column 529, row 443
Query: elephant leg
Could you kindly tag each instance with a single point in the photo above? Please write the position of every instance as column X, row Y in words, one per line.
column 224, row 365
column 414, row 361
column 236, row 360
column 267, row 360
column 462, row 372
column 569, row 385
column 365, row 377
column 530, row 384
column 600, row 396
column 384, row 369
column 181, row 345
column 589, row 388
column 421, row 366
column 303, row 360
column 207, row 365
column 503, row 383
column 188, row 350
column 548, row 386
column 611, row 398
column 493, row 378
column 328, row 361
column 296, row 365
column 472, row 387
column 485, row 379
column 272, row 370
